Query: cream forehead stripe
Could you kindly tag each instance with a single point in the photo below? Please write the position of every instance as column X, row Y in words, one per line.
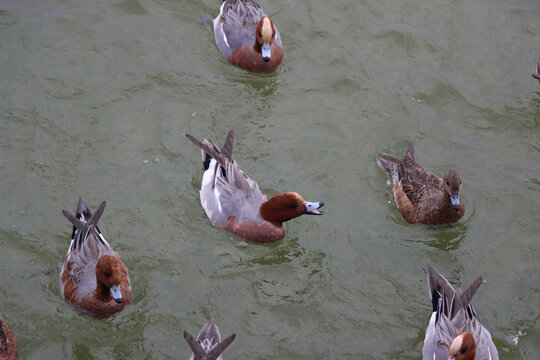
column 266, row 30
column 456, row 345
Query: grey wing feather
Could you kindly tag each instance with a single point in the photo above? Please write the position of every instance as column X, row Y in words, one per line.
column 82, row 263
column 239, row 194
column 219, row 348
column 239, row 22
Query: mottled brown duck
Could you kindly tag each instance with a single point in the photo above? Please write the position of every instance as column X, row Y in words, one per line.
column 421, row 196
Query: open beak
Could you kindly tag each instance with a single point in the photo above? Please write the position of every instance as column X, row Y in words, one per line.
column 266, row 52
column 454, row 198
column 311, row 208
column 116, row 294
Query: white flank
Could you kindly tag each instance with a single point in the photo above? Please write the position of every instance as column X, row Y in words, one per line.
column 225, row 37
column 210, row 197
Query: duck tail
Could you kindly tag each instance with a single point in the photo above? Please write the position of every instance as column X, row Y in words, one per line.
column 83, row 226
column 438, row 287
column 209, row 331
column 197, row 349
column 219, row 348
column 93, row 220
column 388, row 163
column 97, row 214
column 227, row 149
column 410, row 150
column 454, row 300
column 82, row 212
column 464, row 300
column 211, row 151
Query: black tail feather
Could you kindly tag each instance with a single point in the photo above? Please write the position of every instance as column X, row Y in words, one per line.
column 211, row 151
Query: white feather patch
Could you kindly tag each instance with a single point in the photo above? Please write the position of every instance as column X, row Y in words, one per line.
column 225, row 37
column 210, row 195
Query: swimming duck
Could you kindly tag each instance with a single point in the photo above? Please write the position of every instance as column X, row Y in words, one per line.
column 8, row 345
column 454, row 330
column 93, row 276
column 234, row 202
column 247, row 37
column 537, row 75
column 208, row 345
column 421, row 196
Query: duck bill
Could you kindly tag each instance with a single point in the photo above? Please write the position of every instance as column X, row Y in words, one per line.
column 312, row 208
column 266, row 51
column 454, row 198
column 116, row 294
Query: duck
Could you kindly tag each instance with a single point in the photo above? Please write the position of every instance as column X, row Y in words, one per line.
column 454, row 330
column 8, row 345
column 208, row 345
column 420, row 196
column 93, row 277
column 247, row 37
column 537, row 74
column 235, row 203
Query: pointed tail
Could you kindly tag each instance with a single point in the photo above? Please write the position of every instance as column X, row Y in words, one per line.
column 456, row 300
column 388, row 163
column 209, row 331
column 410, row 150
column 211, row 151
column 216, row 352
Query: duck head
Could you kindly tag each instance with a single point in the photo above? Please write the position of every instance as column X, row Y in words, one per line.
column 452, row 185
column 463, row 347
column 264, row 37
column 109, row 274
column 287, row 206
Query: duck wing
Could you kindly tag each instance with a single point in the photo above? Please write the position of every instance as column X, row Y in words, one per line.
column 239, row 21
column 417, row 183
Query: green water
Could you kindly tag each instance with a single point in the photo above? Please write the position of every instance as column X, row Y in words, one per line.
column 95, row 97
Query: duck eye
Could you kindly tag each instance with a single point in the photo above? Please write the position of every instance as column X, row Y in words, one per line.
column 464, row 350
column 448, row 183
column 107, row 274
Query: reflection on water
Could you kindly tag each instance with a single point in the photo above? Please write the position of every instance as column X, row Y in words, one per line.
column 444, row 237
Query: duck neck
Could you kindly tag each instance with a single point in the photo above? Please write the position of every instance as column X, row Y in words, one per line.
column 271, row 211
column 102, row 292
column 257, row 47
column 446, row 208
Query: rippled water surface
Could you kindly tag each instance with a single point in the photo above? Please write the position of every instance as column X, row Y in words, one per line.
column 95, row 97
